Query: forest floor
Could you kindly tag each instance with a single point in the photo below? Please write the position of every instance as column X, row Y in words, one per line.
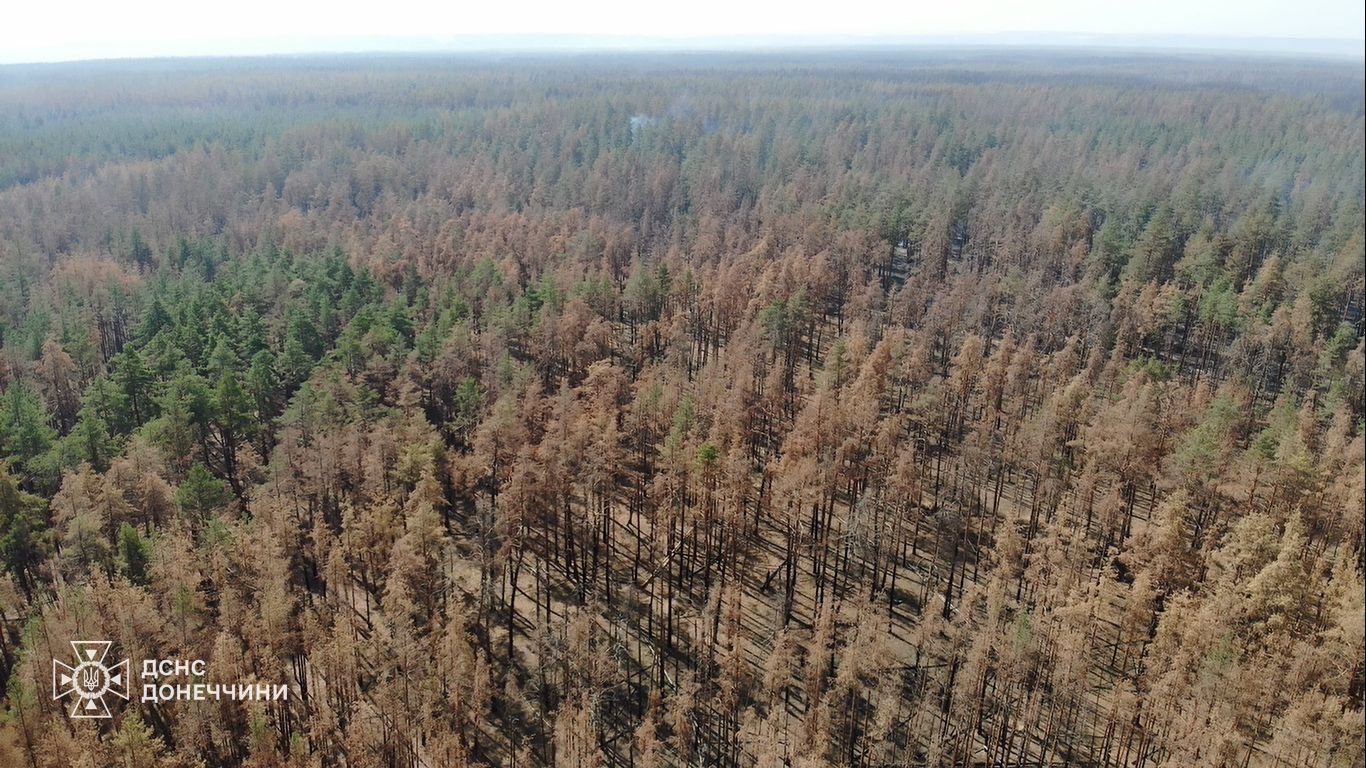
column 916, row 588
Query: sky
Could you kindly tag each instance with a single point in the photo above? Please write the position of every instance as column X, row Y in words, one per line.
column 59, row 30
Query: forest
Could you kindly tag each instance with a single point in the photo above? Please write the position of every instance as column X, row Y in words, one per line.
column 865, row 409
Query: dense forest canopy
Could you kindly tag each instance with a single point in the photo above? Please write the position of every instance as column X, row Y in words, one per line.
column 879, row 408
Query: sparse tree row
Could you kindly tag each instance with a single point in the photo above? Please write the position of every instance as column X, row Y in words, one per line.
column 878, row 412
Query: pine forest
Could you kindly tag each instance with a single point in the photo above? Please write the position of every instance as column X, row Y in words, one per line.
column 861, row 409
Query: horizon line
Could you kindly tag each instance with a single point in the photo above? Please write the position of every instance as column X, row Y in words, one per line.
column 1334, row 48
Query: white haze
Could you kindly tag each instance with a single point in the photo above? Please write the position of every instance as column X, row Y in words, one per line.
column 56, row 30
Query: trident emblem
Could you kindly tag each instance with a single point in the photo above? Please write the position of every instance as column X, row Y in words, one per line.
column 90, row 679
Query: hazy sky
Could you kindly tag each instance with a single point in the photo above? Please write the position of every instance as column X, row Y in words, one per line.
column 48, row 30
